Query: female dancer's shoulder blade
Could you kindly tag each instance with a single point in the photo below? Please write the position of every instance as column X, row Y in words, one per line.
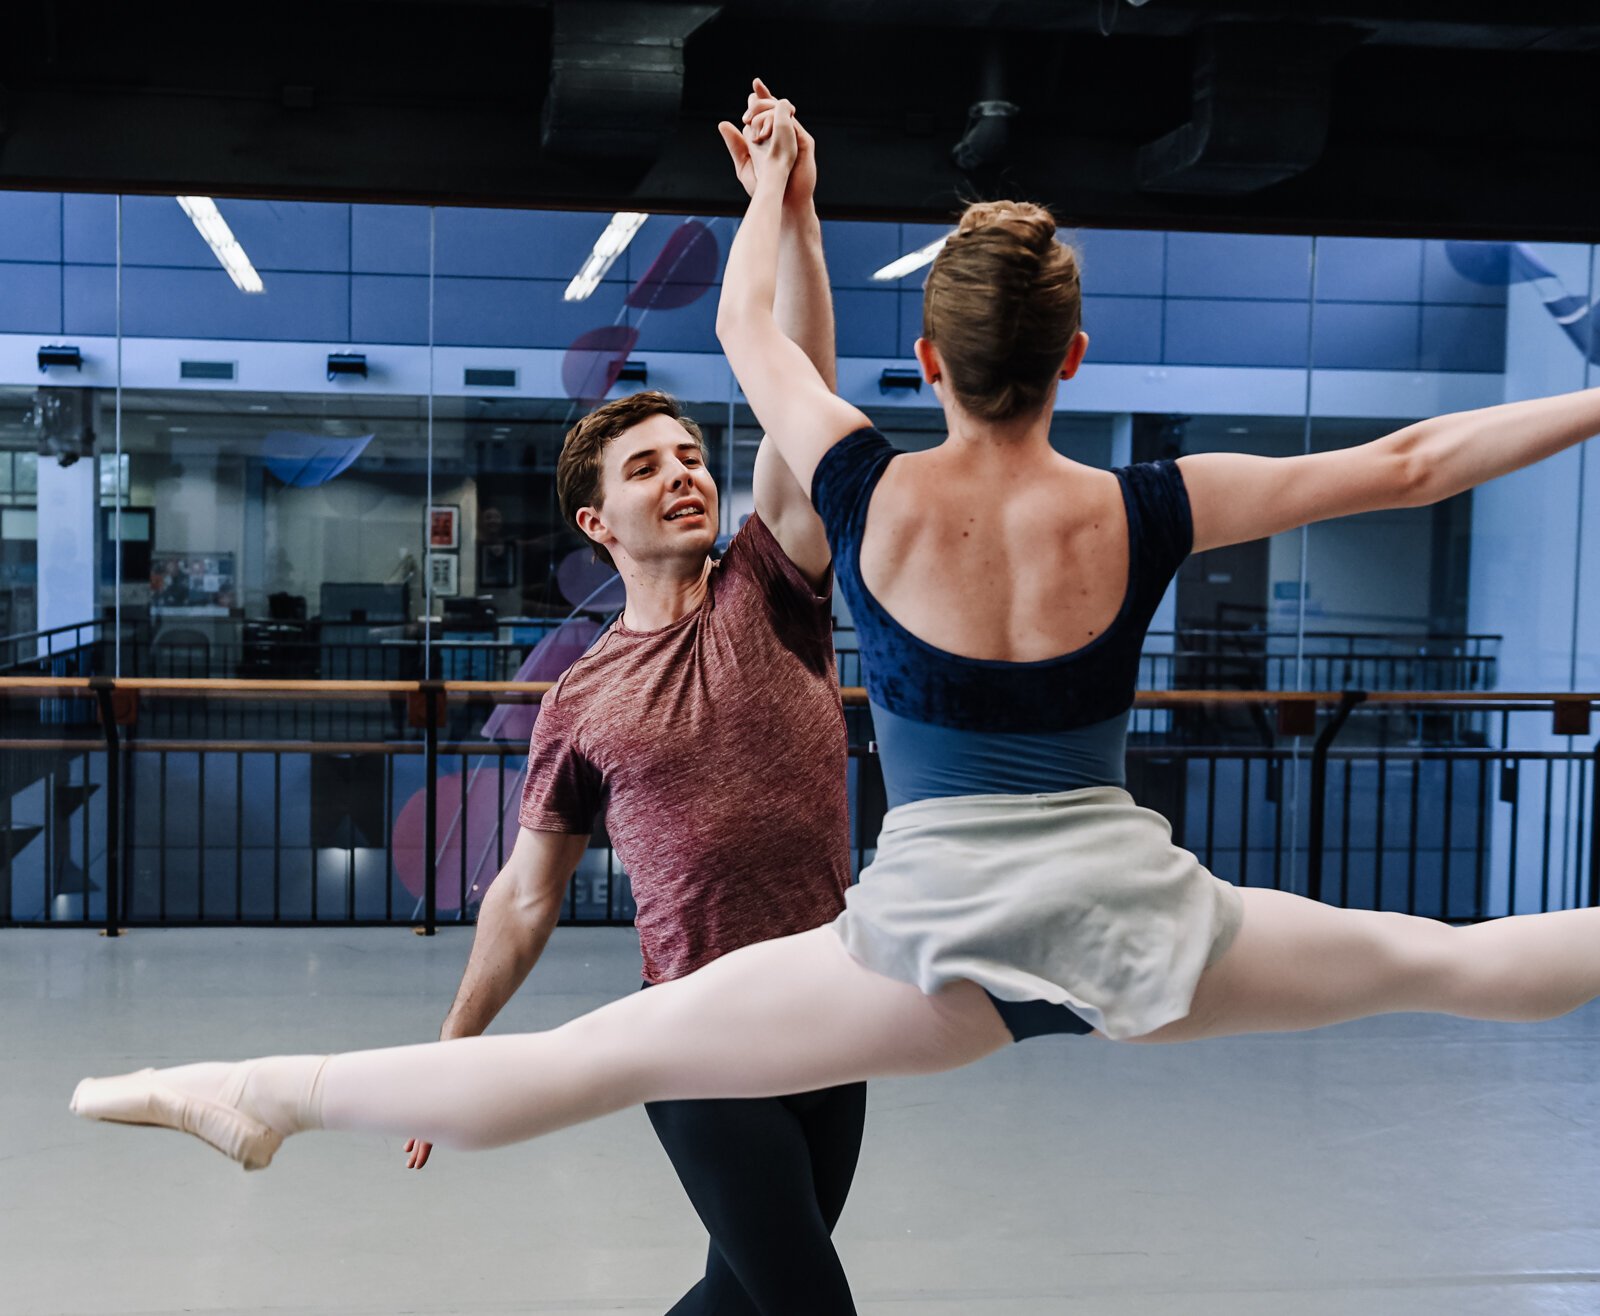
column 921, row 689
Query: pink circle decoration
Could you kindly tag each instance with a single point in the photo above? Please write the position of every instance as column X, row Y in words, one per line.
column 683, row 272
column 469, row 832
column 588, row 584
column 594, row 360
column 546, row 661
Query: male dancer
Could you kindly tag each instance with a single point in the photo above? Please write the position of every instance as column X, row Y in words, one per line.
column 707, row 722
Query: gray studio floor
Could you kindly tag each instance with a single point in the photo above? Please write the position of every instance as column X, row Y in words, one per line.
column 1405, row 1165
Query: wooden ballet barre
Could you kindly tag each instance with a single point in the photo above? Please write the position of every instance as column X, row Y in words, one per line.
column 851, row 695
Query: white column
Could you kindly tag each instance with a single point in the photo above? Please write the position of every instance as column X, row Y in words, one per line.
column 68, row 497
column 1524, row 576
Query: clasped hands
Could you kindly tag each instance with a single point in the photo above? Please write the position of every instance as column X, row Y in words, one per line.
column 771, row 142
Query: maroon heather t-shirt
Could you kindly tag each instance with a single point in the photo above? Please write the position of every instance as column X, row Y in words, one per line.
column 716, row 747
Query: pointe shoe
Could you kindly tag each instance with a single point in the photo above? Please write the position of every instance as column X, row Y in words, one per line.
column 141, row 1098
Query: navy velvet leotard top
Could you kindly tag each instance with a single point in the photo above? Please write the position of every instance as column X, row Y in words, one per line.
column 949, row 725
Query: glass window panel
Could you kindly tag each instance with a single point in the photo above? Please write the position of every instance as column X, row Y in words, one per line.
column 19, row 523
column 277, row 520
column 19, row 569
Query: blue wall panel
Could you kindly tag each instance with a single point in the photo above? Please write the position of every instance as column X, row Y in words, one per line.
column 167, row 303
column 866, row 323
column 1441, row 283
column 1366, row 336
column 518, row 312
column 647, row 244
column 388, row 308
column 1123, row 329
column 89, row 227
column 155, row 231
column 1237, row 265
column 90, row 299
column 691, row 328
column 518, row 244
column 30, row 299
column 915, row 236
column 389, row 239
column 1224, row 333
column 1464, row 338
column 275, row 235
column 1369, row 270
column 910, row 299
column 856, row 249
column 1122, row 261
column 1198, row 298
column 30, row 226
column 291, row 235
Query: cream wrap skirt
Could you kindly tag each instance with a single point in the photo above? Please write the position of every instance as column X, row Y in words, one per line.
column 1078, row 898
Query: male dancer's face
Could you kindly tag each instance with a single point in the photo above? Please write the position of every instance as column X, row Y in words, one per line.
column 660, row 502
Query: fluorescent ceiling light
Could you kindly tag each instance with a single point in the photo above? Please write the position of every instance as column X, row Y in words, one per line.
column 608, row 246
column 219, row 237
column 912, row 260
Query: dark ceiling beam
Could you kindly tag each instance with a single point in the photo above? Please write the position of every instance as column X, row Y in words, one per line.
column 616, row 77
column 1466, row 25
column 424, row 102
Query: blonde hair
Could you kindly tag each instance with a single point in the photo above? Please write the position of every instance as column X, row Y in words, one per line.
column 1002, row 303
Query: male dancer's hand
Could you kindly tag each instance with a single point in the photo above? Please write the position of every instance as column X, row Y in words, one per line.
column 417, row 1153
column 802, row 178
column 774, row 145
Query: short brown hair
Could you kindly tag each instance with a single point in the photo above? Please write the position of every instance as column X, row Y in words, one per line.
column 580, row 470
column 1002, row 304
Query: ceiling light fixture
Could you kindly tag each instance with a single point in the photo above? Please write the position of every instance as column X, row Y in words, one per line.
column 219, row 237
column 607, row 247
column 914, row 260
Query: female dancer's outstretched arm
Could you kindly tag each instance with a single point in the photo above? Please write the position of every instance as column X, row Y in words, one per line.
column 1236, row 497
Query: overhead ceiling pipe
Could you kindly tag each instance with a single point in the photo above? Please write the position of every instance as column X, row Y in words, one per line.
column 616, row 77
column 1262, row 95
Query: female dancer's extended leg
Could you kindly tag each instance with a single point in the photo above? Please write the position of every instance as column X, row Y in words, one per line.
column 788, row 1015
column 1298, row 963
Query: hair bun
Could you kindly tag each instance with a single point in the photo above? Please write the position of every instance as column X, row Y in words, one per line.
column 1032, row 225
column 1002, row 304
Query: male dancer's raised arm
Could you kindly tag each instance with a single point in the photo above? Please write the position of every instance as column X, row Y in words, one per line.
column 793, row 401
column 803, row 309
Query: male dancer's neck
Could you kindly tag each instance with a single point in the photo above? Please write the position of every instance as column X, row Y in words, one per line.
column 661, row 593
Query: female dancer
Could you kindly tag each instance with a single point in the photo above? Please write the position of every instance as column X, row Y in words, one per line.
column 1001, row 593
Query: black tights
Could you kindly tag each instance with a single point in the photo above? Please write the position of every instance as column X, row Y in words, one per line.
column 769, row 1178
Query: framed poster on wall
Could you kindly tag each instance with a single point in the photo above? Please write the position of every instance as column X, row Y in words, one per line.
column 190, row 584
column 444, row 574
column 497, row 566
column 444, row 526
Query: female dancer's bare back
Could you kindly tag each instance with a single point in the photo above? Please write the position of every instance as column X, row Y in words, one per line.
column 995, row 548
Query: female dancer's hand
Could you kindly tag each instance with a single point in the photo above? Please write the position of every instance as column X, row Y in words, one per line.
column 773, row 144
column 802, row 178
column 417, row 1153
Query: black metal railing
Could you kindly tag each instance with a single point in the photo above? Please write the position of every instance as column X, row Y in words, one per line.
column 232, row 649
column 150, row 802
column 58, row 651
